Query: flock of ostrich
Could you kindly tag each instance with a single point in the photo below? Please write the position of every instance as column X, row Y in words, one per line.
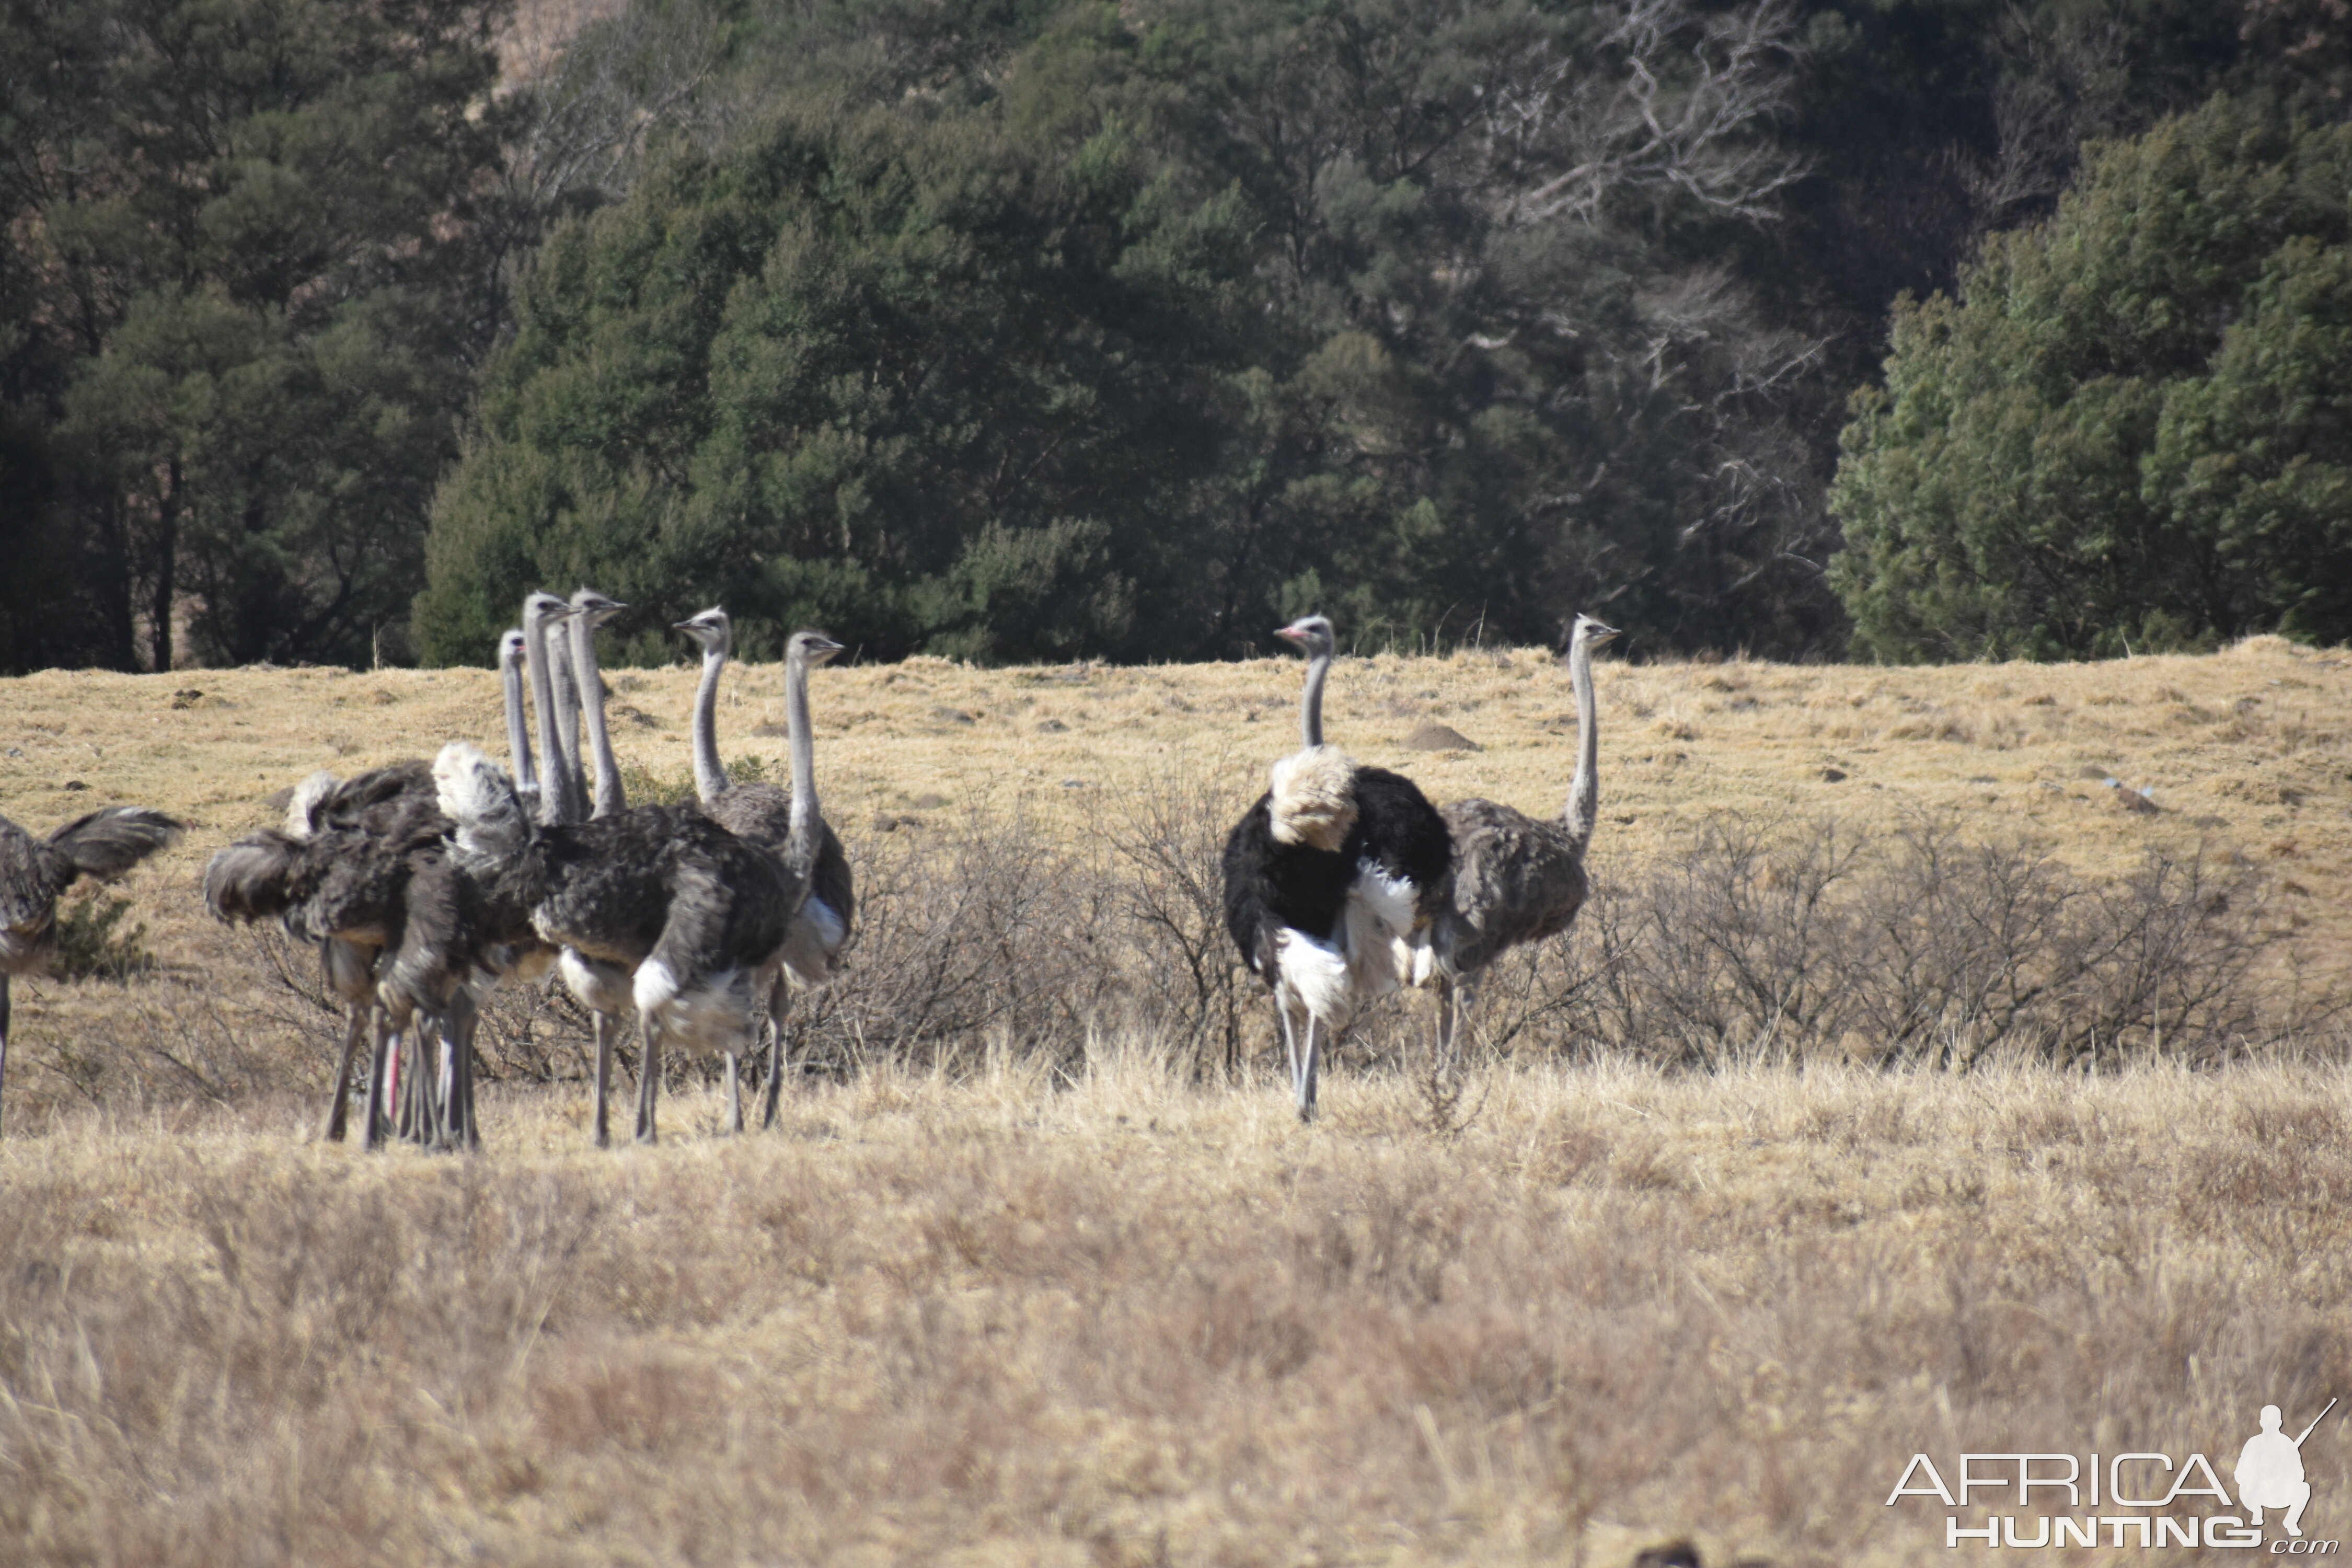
column 425, row 886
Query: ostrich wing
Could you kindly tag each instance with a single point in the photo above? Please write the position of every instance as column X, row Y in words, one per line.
column 1271, row 886
column 29, row 895
column 1399, row 831
column 1516, row 879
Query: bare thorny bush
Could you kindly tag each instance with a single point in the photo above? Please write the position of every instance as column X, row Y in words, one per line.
column 1780, row 941
column 979, row 932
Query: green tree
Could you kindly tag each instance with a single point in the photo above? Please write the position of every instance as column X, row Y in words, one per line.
column 936, row 378
column 242, row 236
column 2128, row 430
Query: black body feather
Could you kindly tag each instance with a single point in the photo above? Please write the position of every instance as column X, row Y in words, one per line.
column 1270, row 885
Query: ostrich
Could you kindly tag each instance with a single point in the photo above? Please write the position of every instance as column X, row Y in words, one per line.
column 1516, row 880
column 33, row 871
column 1332, row 880
column 341, row 873
column 790, row 825
column 693, row 913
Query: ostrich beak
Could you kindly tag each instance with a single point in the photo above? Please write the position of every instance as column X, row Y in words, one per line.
column 1292, row 634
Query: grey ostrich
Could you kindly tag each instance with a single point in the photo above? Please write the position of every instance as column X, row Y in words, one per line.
column 693, row 913
column 103, row 844
column 339, row 873
column 789, row 823
column 1333, row 880
column 1518, row 879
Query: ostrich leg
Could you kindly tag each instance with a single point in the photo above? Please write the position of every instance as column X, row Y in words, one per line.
column 4, row 1027
column 650, row 1070
column 462, row 1127
column 1306, row 1077
column 408, row 1082
column 376, row 1103
column 336, row 1118
column 779, row 1002
column 1290, row 1035
column 735, row 1092
column 603, row 1023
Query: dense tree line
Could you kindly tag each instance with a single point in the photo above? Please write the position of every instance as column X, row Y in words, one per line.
column 2134, row 430
column 1009, row 329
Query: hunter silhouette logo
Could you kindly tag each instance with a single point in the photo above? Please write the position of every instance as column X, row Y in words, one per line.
column 2269, row 1471
column 2143, row 1498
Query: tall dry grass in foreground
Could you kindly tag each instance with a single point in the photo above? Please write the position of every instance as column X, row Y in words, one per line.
column 1103, row 1317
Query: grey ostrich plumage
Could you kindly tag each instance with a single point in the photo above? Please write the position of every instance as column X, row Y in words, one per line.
column 1516, row 879
column 362, row 869
column 762, row 813
column 103, row 845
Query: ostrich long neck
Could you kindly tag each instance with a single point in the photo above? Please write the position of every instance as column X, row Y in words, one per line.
column 801, row 846
column 1310, row 701
column 556, row 801
column 592, row 688
column 518, row 734
column 1584, row 791
column 709, row 772
column 566, row 677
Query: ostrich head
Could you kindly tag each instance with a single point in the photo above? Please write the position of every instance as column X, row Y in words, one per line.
column 711, row 629
column 542, row 610
column 596, row 606
column 1591, row 633
column 813, row 647
column 1312, row 634
column 510, row 648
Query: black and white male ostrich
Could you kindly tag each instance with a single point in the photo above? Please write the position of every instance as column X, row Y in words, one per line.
column 33, row 871
column 1333, row 880
column 789, row 824
column 1518, row 879
column 694, row 914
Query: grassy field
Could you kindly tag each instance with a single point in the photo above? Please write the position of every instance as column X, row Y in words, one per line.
column 1092, row 1312
column 1015, row 1320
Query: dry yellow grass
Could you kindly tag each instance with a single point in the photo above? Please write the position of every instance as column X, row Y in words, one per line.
column 1015, row 1319
column 2242, row 751
column 1117, row 1321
